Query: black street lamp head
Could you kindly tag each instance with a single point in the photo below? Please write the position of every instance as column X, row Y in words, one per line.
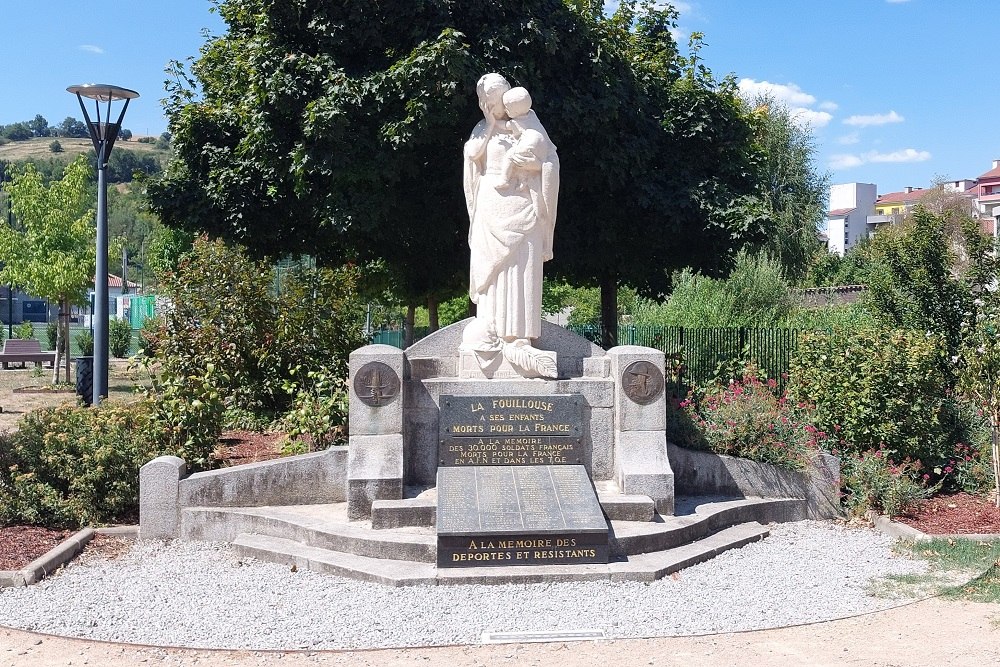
column 103, row 133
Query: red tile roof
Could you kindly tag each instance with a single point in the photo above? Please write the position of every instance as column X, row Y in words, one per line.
column 840, row 212
column 992, row 173
column 115, row 282
column 902, row 197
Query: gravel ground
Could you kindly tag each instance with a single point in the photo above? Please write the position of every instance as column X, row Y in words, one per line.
column 202, row 595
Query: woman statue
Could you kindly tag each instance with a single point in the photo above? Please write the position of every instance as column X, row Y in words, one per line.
column 511, row 181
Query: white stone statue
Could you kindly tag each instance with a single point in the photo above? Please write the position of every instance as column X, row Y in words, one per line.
column 511, row 181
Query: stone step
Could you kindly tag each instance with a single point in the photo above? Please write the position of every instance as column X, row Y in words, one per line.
column 652, row 566
column 304, row 557
column 629, row 538
column 402, row 513
column 324, row 526
column 621, row 507
column 643, row 567
column 327, row 527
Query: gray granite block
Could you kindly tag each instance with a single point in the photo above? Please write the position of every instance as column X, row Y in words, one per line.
column 629, row 415
column 387, row 417
column 407, row 512
column 159, row 482
column 642, row 467
column 307, row 479
column 374, row 472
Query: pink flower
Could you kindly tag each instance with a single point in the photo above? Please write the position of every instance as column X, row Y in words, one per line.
column 926, row 477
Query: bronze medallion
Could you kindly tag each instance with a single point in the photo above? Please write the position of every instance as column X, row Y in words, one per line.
column 376, row 384
column 642, row 382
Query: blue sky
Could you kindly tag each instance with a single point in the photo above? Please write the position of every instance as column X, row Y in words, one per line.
column 896, row 91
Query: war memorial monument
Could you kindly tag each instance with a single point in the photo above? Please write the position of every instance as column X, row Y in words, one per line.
column 501, row 448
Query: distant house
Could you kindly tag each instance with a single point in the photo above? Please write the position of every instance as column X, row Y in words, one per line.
column 988, row 197
column 847, row 220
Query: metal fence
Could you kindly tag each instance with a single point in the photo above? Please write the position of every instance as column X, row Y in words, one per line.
column 698, row 354
column 701, row 354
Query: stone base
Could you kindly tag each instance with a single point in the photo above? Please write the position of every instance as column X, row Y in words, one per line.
column 493, row 366
column 374, row 472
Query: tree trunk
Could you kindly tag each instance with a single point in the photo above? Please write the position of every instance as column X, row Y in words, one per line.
column 408, row 326
column 58, row 351
column 64, row 322
column 432, row 312
column 609, row 312
column 996, row 459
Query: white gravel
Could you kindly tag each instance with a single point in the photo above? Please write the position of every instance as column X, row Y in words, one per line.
column 203, row 595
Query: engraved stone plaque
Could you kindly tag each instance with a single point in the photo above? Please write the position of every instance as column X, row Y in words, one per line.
column 376, row 384
column 642, row 382
column 518, row 515
column 511, row 430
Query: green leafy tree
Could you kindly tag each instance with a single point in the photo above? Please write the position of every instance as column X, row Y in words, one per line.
column 910, row 280
column 39, row 126
column 791, row 191
column 50, row 251
column 345, row 121
column 71, row 127
column 979, row 375
column 756, row 294
column 17, row 132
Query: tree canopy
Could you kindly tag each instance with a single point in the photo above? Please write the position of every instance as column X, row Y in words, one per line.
column 50, row 252
column 336, row 129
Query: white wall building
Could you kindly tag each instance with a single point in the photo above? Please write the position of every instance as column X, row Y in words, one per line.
column 847, row 220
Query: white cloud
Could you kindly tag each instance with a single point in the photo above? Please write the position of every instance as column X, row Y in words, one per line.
column 874, row 119
column 848, row 139
column 845, row 161
column 810, row 117
column 848, row 160
column 828, row 106
column 90, row 48
column 788, row 93
column 905, row 155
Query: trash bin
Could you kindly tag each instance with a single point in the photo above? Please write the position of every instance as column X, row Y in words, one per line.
column 85, row 379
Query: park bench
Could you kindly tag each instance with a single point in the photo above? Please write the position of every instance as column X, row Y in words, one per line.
column 16, row 351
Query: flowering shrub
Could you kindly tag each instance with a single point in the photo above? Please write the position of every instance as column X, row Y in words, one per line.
column 872, row 481
column 744, row 418
column 884, row 389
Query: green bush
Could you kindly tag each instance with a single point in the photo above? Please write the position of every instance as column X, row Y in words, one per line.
column 119, row 338
column 755, row 294
column 872, row 481
column 85, row 342
column 224, row 313
column 24, row 331
column 188, row 414
column 879, row 390
column 52, row 334
column 71, row 466
column 318, row 416
column 745, row 418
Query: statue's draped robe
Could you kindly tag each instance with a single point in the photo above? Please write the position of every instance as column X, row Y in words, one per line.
column 511, row 228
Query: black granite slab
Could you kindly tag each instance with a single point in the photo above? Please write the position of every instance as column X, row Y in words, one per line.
column 510, row 430
column 518, row 515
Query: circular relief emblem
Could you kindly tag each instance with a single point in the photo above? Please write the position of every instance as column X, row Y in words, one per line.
column 642, row 382
column 376, row 384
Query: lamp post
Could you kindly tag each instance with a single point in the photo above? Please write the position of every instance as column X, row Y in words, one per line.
column 103, row 133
